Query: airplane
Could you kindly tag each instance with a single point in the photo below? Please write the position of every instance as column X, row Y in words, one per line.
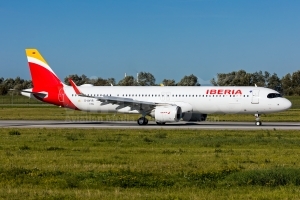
column 166, row 104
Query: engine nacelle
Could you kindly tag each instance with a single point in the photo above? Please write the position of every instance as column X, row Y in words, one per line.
column 167, row 113
column 193, row 117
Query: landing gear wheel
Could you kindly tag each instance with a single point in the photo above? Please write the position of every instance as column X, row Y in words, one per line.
column 142, row 121
column 145, row 121
column 160, row 123
column 258, row 123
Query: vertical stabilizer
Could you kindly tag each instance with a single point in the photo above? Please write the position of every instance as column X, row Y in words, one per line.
column 41, row 74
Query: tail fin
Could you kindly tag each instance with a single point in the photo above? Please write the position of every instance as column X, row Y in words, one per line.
column 41, row 74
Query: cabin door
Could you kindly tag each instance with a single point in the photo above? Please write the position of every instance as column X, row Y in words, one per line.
column 255, row 96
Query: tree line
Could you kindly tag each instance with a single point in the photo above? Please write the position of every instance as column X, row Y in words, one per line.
column 287, row 85
column 143, row 79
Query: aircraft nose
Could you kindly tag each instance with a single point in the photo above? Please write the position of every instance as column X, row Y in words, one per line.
column 288, row 104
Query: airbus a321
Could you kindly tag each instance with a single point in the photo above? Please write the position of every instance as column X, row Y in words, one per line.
column 165, row 104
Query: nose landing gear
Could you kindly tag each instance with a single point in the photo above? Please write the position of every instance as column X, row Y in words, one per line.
column 257, row 120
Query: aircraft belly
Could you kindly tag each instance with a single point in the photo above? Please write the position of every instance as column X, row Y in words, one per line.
column 97, row 107
column 206, row 106
column 216, row 105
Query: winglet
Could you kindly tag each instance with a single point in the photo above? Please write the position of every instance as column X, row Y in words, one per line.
column 77, row 91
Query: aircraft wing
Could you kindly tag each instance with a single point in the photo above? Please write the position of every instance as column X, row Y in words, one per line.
column 118, row 100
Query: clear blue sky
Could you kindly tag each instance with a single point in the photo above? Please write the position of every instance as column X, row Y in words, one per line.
column 168, row 38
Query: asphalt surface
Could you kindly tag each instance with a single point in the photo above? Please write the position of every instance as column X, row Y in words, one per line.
column 151, row 125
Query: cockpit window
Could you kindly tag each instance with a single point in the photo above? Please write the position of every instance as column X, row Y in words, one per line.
column 273, row 95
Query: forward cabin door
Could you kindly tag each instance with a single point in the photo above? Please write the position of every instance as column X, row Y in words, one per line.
column 255, row 96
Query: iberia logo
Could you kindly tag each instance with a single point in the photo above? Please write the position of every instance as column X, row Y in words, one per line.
column 222, row 91
column 165, row 112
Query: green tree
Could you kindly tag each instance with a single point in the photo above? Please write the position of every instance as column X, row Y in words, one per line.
column 241, row 78
column 146, row 79
column 99, row 82
column 102, row 82
column 3, row 89
column 296, row 82
column 273, row 82
column 286, row 82
column 78, row 80
column 9, row 83
column 190, row 80
column 127, row 81
column 259, row 79
column 111, row 81
column 169, row 82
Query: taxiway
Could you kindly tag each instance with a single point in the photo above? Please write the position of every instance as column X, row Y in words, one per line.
column 151, row 125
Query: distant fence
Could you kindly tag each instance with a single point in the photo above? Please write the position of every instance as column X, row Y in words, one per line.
column 17, row 99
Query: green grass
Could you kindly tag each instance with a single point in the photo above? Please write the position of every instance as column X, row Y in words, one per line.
column 149, row 164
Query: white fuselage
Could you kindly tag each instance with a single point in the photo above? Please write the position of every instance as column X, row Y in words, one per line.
column 201, row 99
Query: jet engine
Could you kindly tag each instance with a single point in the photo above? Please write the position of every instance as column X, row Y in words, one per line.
column 167, row 113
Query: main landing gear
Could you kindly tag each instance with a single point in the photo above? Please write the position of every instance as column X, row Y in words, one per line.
column 142, row 121
column 257, row 120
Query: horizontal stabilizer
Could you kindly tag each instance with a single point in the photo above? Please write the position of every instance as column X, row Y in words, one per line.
column 29, row 93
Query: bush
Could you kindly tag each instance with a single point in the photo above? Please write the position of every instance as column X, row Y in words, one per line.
column 267, row 177
column 24, row 147
column 148, row 140
column 14, row 132
column 55, row 148
column 161, row 135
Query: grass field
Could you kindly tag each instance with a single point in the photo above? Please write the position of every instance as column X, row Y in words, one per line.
column 149, row 164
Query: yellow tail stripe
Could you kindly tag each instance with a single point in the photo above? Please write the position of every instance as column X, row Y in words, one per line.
column 35, row 54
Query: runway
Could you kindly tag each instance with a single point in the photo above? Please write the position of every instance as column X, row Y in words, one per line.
column 151, row 125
